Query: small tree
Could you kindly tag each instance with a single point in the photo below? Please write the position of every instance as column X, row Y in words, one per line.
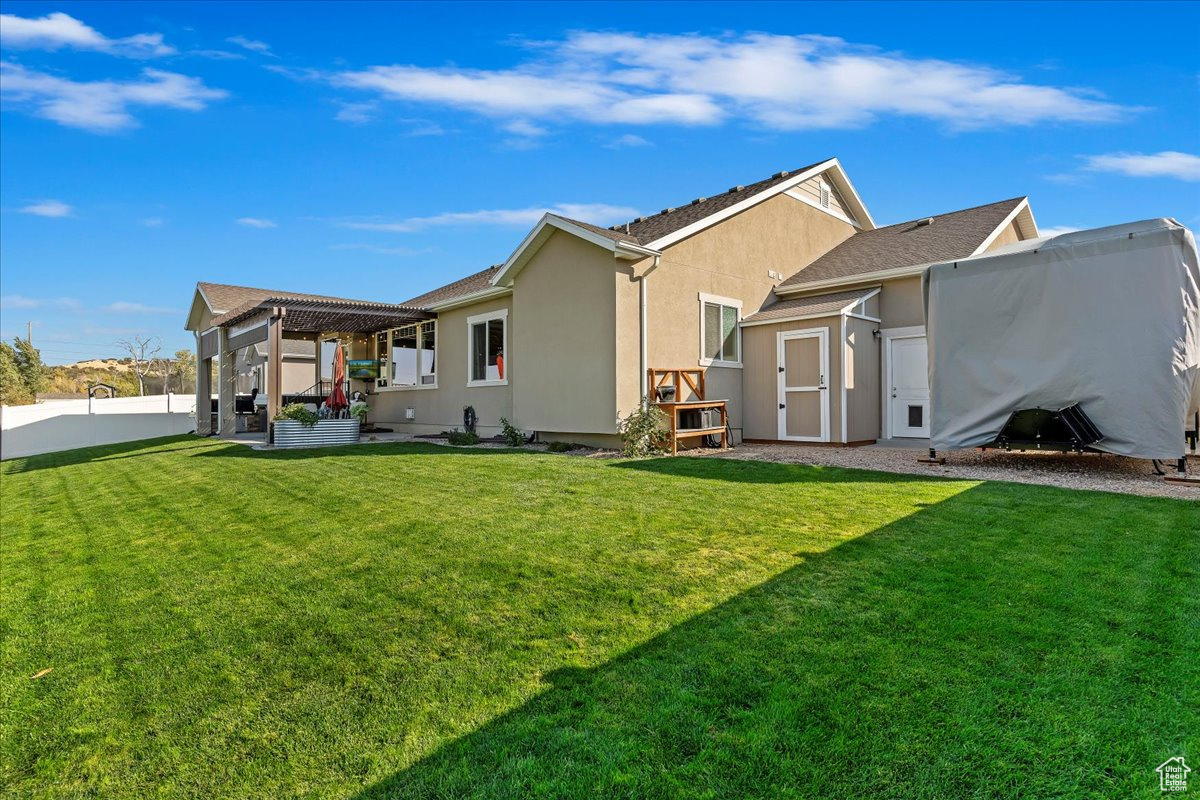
column 12, row 385
column 143, row 350
column 184, row 369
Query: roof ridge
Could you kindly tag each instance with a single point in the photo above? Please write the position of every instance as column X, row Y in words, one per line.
column 946, row 213
column 738, row 188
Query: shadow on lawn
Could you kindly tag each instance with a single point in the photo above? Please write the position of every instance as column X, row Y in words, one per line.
column 105, row 452
column 925, row 659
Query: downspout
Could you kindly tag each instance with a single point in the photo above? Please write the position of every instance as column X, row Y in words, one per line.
column 643, row 348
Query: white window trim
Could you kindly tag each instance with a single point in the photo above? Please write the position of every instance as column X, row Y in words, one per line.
column 501, row 313
column 724, row 301
column 437, row 334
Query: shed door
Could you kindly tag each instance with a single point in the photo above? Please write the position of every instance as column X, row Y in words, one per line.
column 908, row 405
column 803, row 385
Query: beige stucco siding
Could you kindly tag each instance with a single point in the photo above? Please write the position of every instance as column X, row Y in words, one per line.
column 566, row 339
column 901, row 304
column 761, row 367
column 441, row 408
column 730, row 260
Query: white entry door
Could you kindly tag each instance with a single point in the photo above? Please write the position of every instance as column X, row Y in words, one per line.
column 908, row 406
column 804, row 385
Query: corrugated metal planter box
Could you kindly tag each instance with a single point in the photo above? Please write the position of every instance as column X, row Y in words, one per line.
column 290, row 433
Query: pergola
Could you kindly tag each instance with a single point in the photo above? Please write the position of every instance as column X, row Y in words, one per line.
column 272, row 320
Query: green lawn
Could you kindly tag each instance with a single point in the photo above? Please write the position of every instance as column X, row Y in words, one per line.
column 417, row 621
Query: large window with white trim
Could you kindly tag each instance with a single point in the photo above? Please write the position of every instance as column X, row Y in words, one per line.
column 408, row 356
column 487, row 346
column 720, row 336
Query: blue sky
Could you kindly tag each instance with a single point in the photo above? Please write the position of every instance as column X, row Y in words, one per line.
column 377, row 150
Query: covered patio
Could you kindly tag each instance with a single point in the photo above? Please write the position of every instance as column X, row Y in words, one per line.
column 350, row 324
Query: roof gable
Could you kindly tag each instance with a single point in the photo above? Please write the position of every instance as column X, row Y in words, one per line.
column 912, row 244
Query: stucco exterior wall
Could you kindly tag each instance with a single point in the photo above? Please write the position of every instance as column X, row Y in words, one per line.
column 441, row 408
column 566, row 339
column 731, row 260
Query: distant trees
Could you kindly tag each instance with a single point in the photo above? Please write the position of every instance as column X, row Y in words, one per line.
column 22, row 375
column 183, row 369
column 143, row 353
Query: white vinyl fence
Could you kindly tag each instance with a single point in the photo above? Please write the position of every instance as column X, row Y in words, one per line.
column 66, row 424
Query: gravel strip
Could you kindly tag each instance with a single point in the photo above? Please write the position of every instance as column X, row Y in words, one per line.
column 1105, row 473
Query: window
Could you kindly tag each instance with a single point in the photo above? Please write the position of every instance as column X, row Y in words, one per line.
column 720, row 337
column 487, row 344
column 407, row 356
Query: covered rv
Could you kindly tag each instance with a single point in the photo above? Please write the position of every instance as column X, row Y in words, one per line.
column 1105, row 322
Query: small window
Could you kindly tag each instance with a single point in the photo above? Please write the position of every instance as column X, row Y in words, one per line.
column 719, row 334
column 487, row 339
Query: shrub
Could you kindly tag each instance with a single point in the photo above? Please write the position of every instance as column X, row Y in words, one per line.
column 460, row 438
column 644, row 433
column 360, row 411
column 560, row 447
column 298, row 413
column 513, row 435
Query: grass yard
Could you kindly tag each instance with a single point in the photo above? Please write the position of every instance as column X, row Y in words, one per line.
column 416, row 621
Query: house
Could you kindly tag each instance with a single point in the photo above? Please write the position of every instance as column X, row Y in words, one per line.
column 804, row 314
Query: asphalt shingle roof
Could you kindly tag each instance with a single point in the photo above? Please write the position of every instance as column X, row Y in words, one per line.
column 460, row 288
column 814, row 305
column 949, row 236
column 225, row 297
column 648, row 229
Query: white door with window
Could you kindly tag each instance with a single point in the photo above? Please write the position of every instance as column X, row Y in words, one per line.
column 908, row 387
column 804, row 385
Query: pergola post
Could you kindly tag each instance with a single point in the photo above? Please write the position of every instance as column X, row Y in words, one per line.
column 226, row 385
column 203, row 391
column 274, row 365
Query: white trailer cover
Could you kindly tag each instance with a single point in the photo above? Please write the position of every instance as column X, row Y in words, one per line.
column 1107, row 318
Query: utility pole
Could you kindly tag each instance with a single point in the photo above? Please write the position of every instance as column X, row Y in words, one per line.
column 29, row 332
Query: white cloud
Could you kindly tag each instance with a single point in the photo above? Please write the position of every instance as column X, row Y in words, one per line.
column 356, row 113
column 628, row 140
column 595, row 213
column 18, row 301
column 126, row 307
column 256, row 222
column 1057, row 230
column 218, row 55
column 48, row 208
column 152, row 222
column 779, row 82
column 523, row 127
column 101, row 106
column 251, row 44
column 1167, row 164
column 58, row 30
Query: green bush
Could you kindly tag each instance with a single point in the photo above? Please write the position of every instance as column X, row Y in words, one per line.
column 298, row 413
column 644, row 432
column 513, row 435
column 460, row 438
column 360, row 411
